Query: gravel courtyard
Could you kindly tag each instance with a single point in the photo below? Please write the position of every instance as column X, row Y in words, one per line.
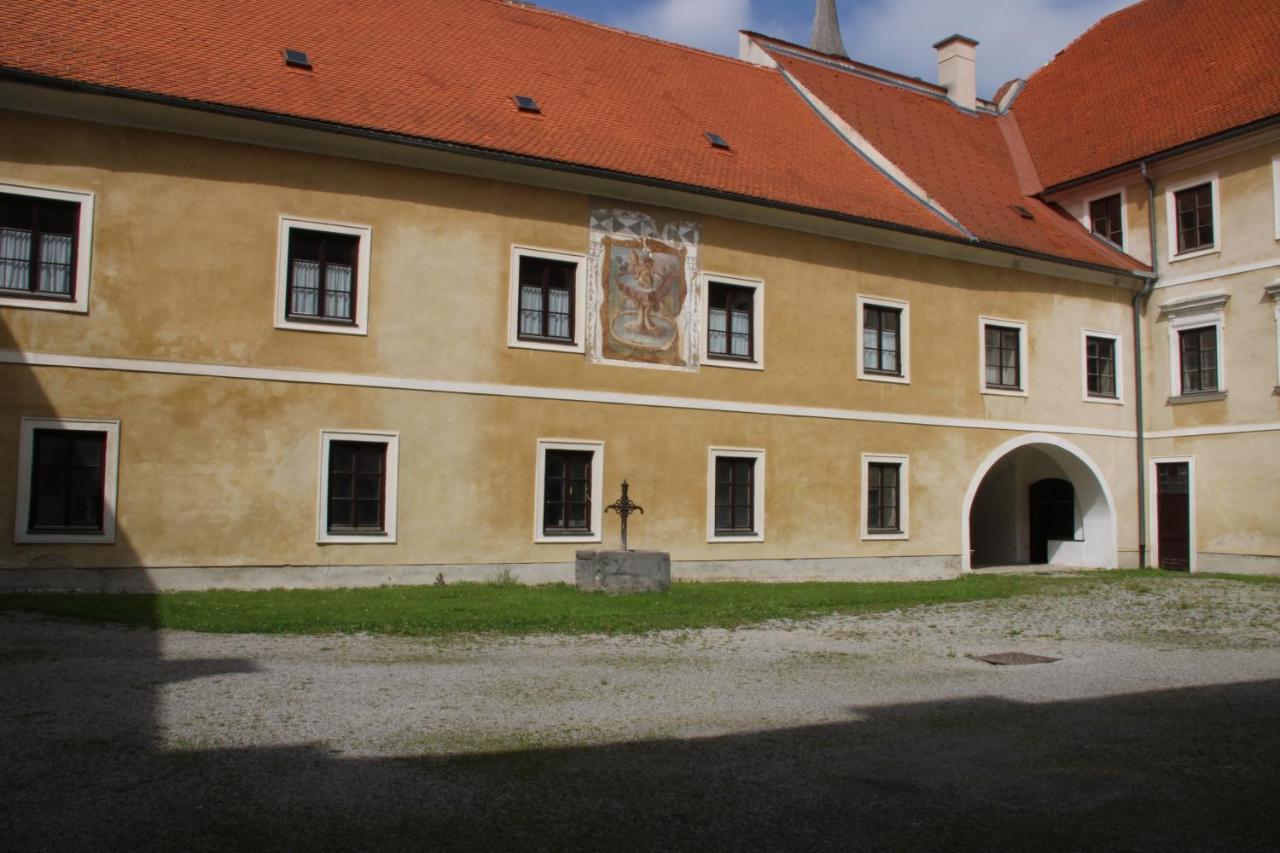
column 1158, row 729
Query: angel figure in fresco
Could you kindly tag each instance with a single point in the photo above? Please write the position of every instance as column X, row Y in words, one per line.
column 647, row 288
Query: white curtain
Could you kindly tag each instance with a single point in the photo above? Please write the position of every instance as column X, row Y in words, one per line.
column 717, row 325
column 530, row 310
column 741, row 334
column 15, row 258
column 558, row 319
column 55, row 264
column 337, row 296
column 306, row 288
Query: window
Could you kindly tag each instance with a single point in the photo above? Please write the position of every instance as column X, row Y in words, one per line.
column 44, row 248
column 1004, row 356
column 566, row 493
column 1102, row 367
column 885, row 335
column 1192, row 211
column 1199, row 359
column 358, row 481
column 1273, row 290
column 1106, row 218
column 547, row 300
column 322, row 277
column 735, row 495
column 570, row 478
column 67, row 481
column 884, row 496
column 1197, row 363
column 729, row 321
column 734, row 312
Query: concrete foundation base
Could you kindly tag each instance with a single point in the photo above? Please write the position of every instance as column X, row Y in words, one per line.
column 623, row 571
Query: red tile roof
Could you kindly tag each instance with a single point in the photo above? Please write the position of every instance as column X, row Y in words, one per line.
column 446, row 70
column 961, row 160
column 1149, row 78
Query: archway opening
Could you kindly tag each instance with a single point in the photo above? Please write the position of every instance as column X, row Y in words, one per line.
column 1039, row 501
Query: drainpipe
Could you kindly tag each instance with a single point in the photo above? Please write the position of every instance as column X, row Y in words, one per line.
column 1137, row 366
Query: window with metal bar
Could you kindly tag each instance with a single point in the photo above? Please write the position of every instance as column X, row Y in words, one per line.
column 1100, row 366
column 547, row 300
column 566, row 493
column 883, row 497
column 1194, row 208
column 38, row 246
column 357, row 487
column 730, row 321
column 322, row 275
column 735, row 496
column 67, row 481
column 1199, row 351
column 882, row 340
column 1004, row 369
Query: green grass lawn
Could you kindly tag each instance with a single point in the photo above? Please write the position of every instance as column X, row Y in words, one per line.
column 556, row 609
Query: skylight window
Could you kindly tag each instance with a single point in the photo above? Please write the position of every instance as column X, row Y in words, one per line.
column 297, row 58
column 717, row 141
column 526, row 104
column 1022, row 211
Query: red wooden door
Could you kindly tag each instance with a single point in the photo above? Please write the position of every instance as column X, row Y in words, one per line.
column 1173, row 514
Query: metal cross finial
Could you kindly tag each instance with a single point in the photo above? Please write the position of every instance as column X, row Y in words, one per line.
column 624, row 507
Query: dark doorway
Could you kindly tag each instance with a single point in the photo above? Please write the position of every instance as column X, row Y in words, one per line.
column 1053, row 515
column 1173, row 514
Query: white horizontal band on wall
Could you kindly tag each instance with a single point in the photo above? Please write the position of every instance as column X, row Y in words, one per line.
column 355, row 380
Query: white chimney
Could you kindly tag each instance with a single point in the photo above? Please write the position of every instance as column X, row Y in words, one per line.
column 958, row 70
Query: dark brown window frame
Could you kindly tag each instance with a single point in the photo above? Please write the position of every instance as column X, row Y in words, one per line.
column 876, row 488
column 1093, row 364
column 565, row 504
column 880, row 349
column 1109, row 222
column 325, row 238
column 570, row 270
column 356, row 529
column 732, row 465
column 727, row 292
column 41, row 434
column 1016, row 349
column 1192, row 379
column 1202, row 201
column 37, row 235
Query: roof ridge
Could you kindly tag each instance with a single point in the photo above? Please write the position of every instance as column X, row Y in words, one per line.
column 846, row 60
column 556, row 13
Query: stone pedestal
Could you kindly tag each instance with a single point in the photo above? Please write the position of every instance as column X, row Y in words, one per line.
column 623, row 571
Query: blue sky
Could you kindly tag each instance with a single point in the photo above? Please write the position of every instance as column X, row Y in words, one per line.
column 1017, row 36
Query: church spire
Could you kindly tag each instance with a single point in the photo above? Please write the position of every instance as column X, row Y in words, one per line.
column 826, row 30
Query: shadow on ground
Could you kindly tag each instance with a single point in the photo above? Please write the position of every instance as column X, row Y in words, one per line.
column 88, row 766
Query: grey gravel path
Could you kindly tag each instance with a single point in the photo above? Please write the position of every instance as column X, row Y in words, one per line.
column 1159, row 729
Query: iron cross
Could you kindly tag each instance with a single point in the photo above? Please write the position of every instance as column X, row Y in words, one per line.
column 624, row 507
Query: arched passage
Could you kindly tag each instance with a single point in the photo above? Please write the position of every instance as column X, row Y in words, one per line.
column 1038, row 499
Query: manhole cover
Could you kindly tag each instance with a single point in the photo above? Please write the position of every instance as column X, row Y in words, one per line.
column 1013, row 659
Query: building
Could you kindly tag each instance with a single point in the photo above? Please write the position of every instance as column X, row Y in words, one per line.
column 409, row 289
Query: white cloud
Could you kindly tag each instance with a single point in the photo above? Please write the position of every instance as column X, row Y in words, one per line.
column 708, row 24
column 1017, row 36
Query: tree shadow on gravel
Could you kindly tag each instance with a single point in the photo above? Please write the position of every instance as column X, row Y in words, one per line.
column 1183, row 769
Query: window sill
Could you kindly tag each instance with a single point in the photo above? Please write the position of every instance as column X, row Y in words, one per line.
column 872, row 376
column 64, row 539
column 1004, row 392
column 1198, row 253
column 568, row 539
column 736, row 537
column 874, row 536
column 548, row 345
column 333, row 327
column 356, row 539
column 1206, row 397
column 1113, row 401
column 740, row 363
column 23, row 299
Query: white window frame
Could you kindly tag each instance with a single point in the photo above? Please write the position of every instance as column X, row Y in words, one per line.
column 579, row 299
column 1196, row 312
column 363, row 252
column 1273, row 290
column 1171, row 218
column 904, row 338
column 1086, row 216
column 1024, row 367
column 757, row 320
column 596, row 448
column 757, row 499
column 110, row 478
column 904, row 505
column 1275, row 191
column 1085, row 334
column 1153, row 509
column 391, row 488
column 84, row 249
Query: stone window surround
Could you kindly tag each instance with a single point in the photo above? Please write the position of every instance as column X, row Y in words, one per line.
column 904, row 338
column 758, row 477
column 757, row 320
column 1024, row 369
column 1193, row 312
column 596, row 448
column 282, row 319
column 110, row 477
column 79, row 304
column 1086, row 214
column 904, row 489
column 1171, row 217
column 579, row 261
column 390, row 488
column 1118, row 399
